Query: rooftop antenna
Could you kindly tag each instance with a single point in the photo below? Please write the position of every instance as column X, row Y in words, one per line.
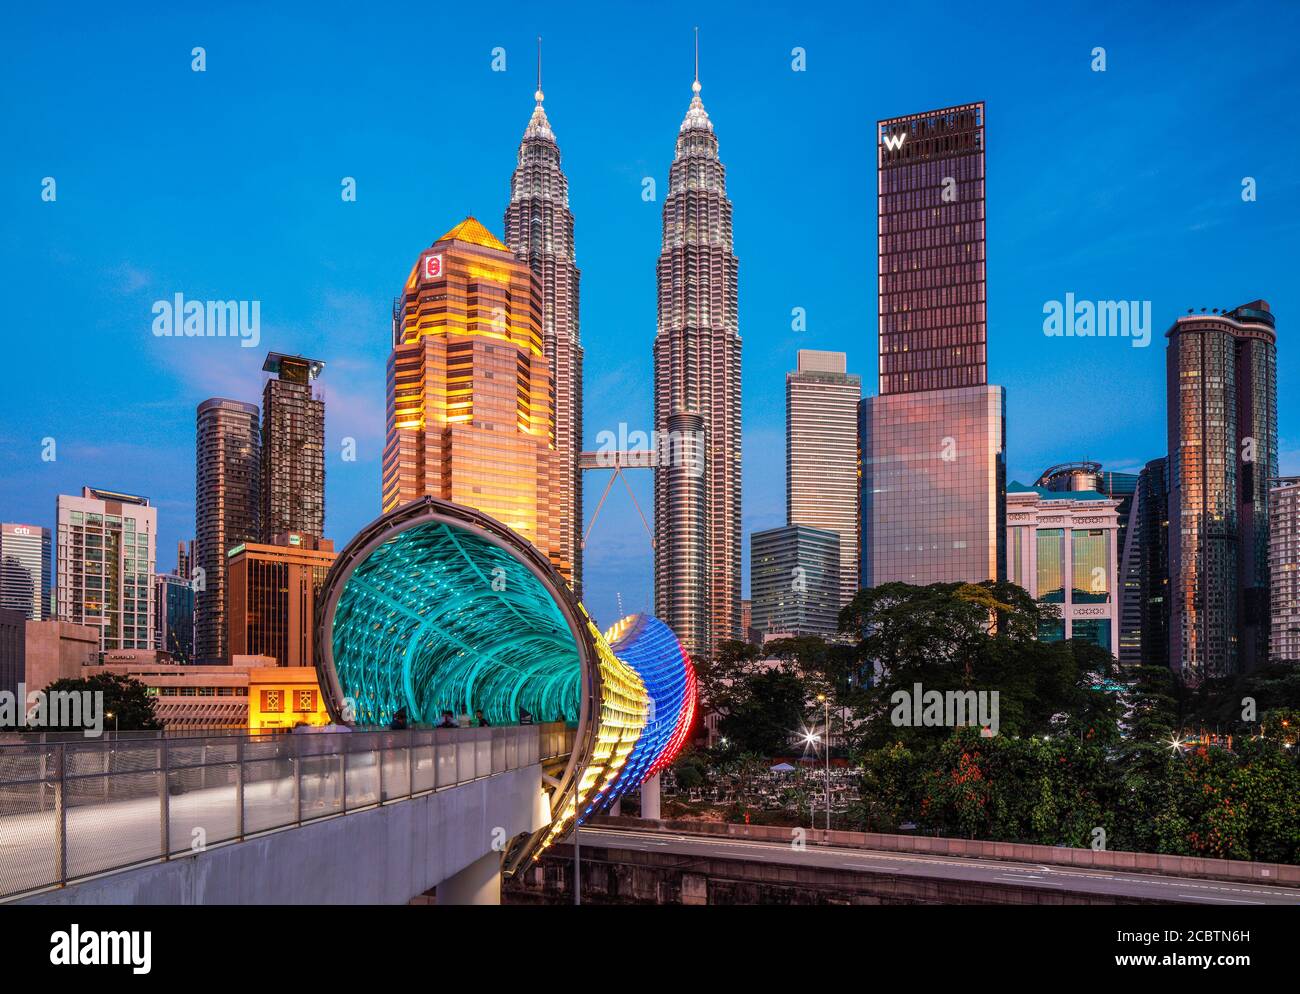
column 538, row 95
column 696, row 85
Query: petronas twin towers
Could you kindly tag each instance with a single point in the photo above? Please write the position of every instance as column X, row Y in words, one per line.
column 539, row 230
column 697, row 397
column 696, row 369
column 696, row 372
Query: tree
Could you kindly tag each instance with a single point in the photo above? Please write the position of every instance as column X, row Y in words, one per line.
column 959, row 637
column 721, row 676
column 127, row 699
column 766, row 709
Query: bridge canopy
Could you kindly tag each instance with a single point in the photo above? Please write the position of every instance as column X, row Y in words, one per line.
column 441, row 616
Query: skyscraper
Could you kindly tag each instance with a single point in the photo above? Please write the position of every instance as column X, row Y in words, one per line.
column 1146, row 553
column 471, row 407
column 933, row 444
column 539, row 230
column 25, row 570
column 293, row 448
column 821, row 455
column 1284, row 570
column 228, row 471
column 697, row 397
column 184, row 558
column 272, row 602
column 795, row 581
column 174, row 616
column 1222, row 396
column 105, row 555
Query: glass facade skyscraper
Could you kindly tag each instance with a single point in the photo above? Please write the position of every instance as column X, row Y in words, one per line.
column 934, row 486
column 930, row 196
column 293, row 448
column 933, row 443
column 821, row 454
column 697, row 396
column 539, row 230
column 471, row 406
column 1222, row 397
column 227, row 506
column 174, row 616
column 25, row 558
column 795, row 581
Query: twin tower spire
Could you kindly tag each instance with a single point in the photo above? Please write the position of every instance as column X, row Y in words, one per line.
column 697, row 546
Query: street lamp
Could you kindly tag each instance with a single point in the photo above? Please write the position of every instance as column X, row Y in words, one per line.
column 826, row 710
column 113, row 715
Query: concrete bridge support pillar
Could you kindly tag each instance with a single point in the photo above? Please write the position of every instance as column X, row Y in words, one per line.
column 478, row 883
column 650, row 798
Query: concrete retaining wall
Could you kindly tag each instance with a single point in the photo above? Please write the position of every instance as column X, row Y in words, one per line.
column 1174, row 866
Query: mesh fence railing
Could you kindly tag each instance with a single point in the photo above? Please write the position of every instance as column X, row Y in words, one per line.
column 72, row 809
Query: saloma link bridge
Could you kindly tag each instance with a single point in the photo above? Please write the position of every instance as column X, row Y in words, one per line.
column 437, row 607
column 432, row 607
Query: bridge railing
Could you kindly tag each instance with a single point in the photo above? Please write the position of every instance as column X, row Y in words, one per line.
column 70, row 810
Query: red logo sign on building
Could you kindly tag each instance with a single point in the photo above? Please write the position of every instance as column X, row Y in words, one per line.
column 432, row 267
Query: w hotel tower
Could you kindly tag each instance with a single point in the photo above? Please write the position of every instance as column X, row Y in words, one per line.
column 697, row 398
column 471, row 408
column 933, row 443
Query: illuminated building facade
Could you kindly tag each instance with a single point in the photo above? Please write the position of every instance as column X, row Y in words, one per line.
column 934, row 486
column 105, row 566
column 1089, row 476
column 1284, row 570
column 1063, row 548
column 539, row 230
column 25, row 559
column 470, row 400
column 697, row 396
column 228, row 470
column 292, row 497
column 281, row 697
column 272, row 593
column 821, row 455
column 1222, row 398
column 933, row 443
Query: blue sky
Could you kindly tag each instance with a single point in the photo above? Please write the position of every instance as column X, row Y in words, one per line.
column 1123, row 184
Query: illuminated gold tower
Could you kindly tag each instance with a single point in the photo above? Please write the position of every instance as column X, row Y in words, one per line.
column 471, row 403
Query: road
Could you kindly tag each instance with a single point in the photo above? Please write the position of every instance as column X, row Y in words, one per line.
column 1109, row 883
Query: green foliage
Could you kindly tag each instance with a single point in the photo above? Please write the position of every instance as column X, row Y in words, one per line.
column 982, row 637
column 767, row 708
column 125, row 698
